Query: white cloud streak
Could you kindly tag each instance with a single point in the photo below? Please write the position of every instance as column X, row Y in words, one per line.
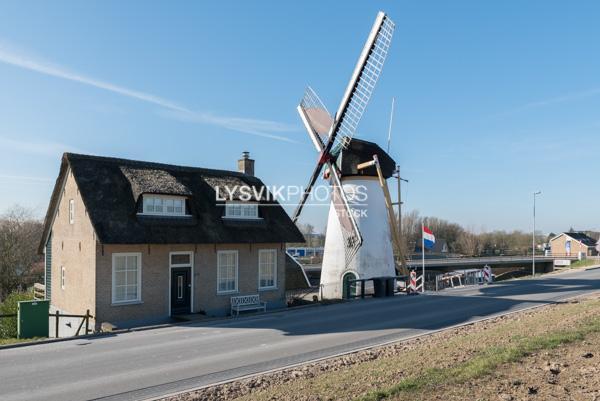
column 569, row 97
column 24, row 178
column 262, row 128
column 36, row 147
column 257, row 127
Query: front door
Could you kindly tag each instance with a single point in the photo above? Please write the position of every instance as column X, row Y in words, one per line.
column 181, row 290
column 348, row 288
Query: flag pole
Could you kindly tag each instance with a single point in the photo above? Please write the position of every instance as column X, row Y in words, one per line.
column 423, row 250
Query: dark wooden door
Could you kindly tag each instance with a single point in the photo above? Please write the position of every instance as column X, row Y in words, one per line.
column 181, row 290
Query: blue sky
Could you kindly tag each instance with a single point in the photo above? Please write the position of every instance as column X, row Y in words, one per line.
column 493, row 99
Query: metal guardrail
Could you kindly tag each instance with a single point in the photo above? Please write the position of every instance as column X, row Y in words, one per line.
column 488, row 259
column 458, row 279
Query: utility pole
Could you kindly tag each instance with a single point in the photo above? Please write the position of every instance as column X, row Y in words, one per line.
column 390, row 126
column 399, row 203
column 533, row 235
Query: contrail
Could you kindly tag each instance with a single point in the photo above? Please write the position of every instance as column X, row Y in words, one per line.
column 257, row 127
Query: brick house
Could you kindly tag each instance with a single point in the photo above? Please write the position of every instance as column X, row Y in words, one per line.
column 572, row 243
column 137, row 242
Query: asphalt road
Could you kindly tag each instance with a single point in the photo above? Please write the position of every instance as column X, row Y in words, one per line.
column 143, row 364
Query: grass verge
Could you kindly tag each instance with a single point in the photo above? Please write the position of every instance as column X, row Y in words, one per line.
column 579, row 264
column 487, row 361
column 7, row 341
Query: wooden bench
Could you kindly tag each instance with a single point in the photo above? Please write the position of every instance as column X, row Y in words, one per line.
column 247, row 302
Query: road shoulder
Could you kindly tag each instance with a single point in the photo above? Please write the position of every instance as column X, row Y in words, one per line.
column 375, row 371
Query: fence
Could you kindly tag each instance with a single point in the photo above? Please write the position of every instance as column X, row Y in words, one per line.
column 302, row 295
column 376, row 287
column 82, row 329
column 458, row 279
column 85, row 320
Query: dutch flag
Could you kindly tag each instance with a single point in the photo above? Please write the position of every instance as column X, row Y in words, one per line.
column 428, row 238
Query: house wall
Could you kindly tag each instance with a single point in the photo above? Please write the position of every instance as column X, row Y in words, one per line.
column 74, row 248
column 557, row 246
column 154, row 306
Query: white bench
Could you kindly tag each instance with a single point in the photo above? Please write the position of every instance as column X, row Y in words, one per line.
column 247, row 302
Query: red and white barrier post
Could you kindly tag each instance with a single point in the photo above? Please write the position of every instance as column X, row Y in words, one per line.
column 487, row 274
column 412, row 283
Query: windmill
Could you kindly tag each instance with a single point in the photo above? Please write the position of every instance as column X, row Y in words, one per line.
column 354, row 248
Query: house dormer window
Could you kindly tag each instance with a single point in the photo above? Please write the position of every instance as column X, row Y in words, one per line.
column 164, row 205
column 239, row 210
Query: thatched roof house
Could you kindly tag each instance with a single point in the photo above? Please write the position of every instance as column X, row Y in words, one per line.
column 128, row 230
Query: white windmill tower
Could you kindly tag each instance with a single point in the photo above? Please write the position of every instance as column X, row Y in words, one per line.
column 357, row 244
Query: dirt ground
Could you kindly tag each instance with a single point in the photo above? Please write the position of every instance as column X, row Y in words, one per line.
column 568, row 372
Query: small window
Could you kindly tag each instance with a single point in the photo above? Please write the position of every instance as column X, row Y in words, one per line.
column 241, row 210
column 267, row 269
column 62, row 277
column 71, row 211
column 181, row 259
column 126, row 277
column 179, row 287
column 164, row 205
column 227, row 271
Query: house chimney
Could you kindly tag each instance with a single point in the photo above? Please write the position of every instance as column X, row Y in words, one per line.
column 246, row 164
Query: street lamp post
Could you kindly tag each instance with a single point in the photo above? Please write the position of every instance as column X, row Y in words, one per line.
column 533, row 234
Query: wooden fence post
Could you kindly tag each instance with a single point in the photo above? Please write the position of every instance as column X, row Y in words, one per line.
column 56, row 318
column 87, row 321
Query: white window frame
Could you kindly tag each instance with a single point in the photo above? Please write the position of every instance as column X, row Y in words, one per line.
column 230, row 210
column 62, row 277
column 139, row 279
column 237, row 270
column 164, row 199
column 191, row 266
column 262, row 252
column 71, row 211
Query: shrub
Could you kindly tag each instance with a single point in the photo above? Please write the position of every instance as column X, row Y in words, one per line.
column 8, row 325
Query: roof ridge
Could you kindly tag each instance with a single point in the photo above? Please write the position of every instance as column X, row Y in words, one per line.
column 148, row 164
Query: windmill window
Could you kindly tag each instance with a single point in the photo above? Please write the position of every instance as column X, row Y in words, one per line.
column 164, row 205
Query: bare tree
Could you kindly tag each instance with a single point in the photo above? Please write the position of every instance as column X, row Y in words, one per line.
column 469, row 243
column 411, row 231
column 20, row 234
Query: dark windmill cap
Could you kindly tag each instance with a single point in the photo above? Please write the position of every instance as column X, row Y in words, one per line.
column 360, row 151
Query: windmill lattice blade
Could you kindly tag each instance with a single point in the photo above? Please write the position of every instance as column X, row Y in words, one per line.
column 311, row 183
column 350, row 232
column 315, row 138
column 364, row 78
column 317, row 114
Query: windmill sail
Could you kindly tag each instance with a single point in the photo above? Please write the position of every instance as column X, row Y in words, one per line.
column 341, row 128
column 365, row 76
column 316, row 116
column 350, row 232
